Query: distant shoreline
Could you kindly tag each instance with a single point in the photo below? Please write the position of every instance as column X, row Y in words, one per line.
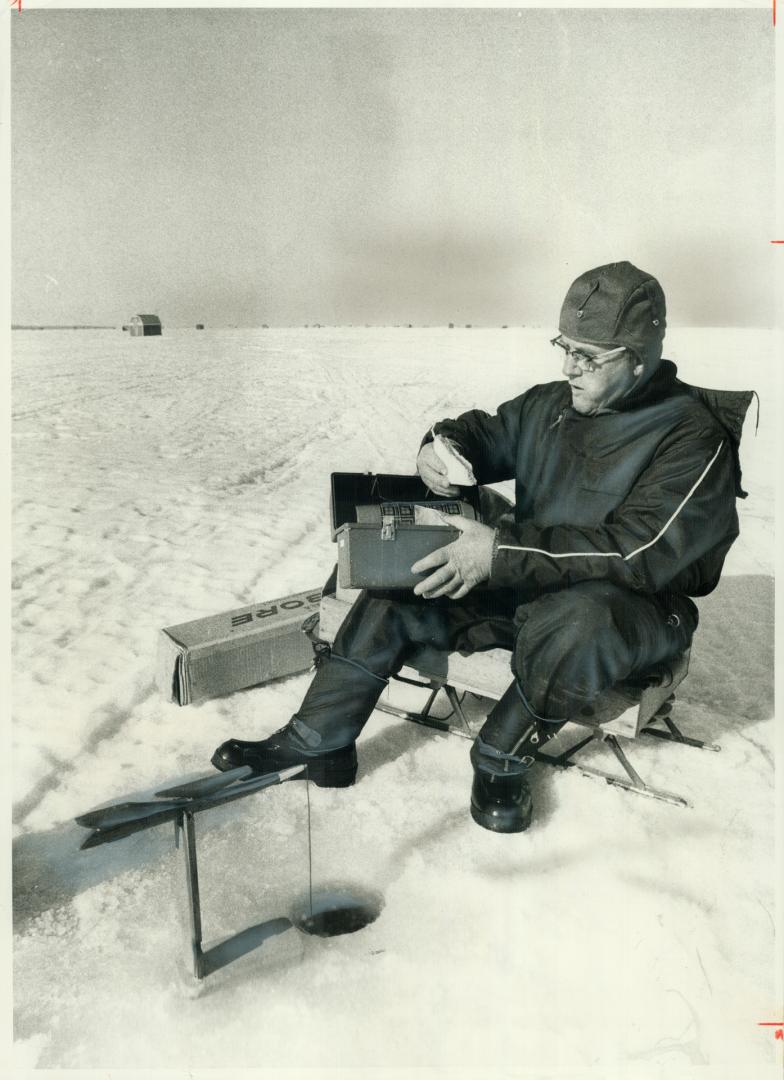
column 311, row 326
column 14, row 327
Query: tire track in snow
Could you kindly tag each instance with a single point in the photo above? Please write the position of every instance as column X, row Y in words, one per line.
column 115, row 718
column 361, row 403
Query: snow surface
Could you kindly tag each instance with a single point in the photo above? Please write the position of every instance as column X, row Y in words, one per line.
column 159, row 480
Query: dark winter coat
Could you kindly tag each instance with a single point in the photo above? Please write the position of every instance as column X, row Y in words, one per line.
column 643, row 496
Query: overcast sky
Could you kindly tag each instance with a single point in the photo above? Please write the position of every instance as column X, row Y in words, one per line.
column 239, row 166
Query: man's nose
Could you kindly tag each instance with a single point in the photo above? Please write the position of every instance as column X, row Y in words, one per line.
column 570, row 366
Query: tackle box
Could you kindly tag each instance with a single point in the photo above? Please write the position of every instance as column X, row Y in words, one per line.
column 375, row 523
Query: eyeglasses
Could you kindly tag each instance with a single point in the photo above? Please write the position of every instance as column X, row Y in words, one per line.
column 586, row 363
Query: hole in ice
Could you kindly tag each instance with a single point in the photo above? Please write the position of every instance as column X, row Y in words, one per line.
column 336, row 910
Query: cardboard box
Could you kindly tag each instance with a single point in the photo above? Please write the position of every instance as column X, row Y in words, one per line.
column 209, row 657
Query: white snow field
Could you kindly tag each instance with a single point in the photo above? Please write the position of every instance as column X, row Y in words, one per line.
column 159, row 480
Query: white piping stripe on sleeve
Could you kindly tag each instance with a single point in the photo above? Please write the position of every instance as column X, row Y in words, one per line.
column 562, row 554
column 617, row 554
column 696, row 484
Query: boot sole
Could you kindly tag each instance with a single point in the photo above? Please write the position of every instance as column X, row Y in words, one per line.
column 495, row 823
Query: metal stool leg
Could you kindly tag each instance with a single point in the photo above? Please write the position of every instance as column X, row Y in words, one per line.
column 563, row 759
column 457, row 709
column 674, row 734
column 423, row 717
column 192, row 874
column 634, row 783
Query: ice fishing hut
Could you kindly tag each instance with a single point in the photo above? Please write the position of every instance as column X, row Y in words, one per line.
column 145, row 325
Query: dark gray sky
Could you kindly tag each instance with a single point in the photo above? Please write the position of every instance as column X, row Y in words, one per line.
column 241, row 166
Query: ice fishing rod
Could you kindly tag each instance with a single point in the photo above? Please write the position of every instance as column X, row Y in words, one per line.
column 120, row 819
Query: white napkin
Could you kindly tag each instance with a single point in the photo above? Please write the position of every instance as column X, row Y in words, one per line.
column 428, row 515
column 458, row 470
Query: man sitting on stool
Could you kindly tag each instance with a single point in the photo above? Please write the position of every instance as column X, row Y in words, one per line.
column 625, row 508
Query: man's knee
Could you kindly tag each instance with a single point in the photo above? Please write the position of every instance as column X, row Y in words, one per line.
column 569, row 646
column 574, row 615
column 386, row 628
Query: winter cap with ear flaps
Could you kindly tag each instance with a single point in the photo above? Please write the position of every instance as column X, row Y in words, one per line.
column 616, row 304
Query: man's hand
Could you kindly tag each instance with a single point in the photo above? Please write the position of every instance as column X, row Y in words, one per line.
column 460, row 565
column 433, row 471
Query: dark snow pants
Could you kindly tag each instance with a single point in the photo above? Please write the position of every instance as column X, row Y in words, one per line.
column 567, row 646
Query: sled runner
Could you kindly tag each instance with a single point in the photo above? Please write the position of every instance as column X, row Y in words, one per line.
column 648, row 701
column 180, row 803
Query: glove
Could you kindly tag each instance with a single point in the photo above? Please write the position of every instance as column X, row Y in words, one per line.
column 459, row 566
column 433, row 471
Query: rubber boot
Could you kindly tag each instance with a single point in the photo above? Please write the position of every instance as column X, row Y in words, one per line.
column 331, row 768
column 501, row 755
column 501, row 802
column 322, row 734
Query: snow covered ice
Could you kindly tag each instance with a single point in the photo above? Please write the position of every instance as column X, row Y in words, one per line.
column 163, row 479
